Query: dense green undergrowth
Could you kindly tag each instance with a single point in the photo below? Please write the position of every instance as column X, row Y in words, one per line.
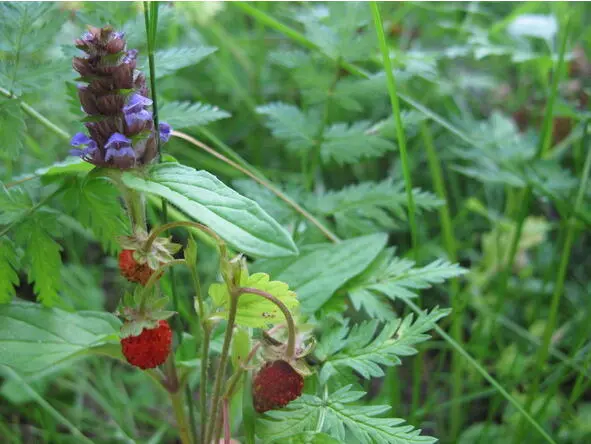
column 417, row 173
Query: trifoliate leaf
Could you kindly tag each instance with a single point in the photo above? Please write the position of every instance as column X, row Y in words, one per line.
column 254, row 310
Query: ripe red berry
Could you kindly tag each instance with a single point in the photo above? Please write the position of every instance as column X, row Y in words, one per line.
column 276, row 385
column 150, row 348
column 132, row 270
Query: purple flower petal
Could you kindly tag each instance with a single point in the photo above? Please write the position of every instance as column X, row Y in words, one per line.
column 85, row 152
column 80, row 139
column 165, row 129
column 136, row 103
column 130, row 56
column 117, row 140
column 142, row 116
column 123, row 152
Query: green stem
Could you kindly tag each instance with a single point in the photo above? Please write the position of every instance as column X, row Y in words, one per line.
column 400, row 135
column 151, row 19
column 221, row 371
column 160, row 271
column 291, row 329
column 543, row 351
column 179, row 412
column 204, row 375
column 451, row 248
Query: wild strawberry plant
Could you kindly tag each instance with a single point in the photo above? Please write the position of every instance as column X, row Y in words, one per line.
column 259, row 277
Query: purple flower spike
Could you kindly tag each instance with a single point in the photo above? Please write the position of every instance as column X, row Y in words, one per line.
column 136, row 103
column 165, row 130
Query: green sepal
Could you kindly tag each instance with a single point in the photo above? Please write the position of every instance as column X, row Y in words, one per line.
column 135, row 328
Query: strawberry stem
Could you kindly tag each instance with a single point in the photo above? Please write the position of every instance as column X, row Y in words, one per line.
column 185, row 223
column 221, row 371
column 291, row 329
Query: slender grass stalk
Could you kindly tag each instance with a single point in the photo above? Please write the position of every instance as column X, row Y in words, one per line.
column 480, row 369
column 457, row 313
column 400, row 134
column 543, row 351
column 151, row 22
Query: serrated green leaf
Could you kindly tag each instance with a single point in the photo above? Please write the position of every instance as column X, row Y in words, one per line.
column 13, row 128
column 399, row 278
column 343, row 420
column 42, row 257
column 187, row 114
column 361, row 350
column 34, row 338
column 95, row 203
column 238, row 220
column 322, row 269
column 346, row 144
column 310, row 438
column 8, row 270
column 14, row 204
column 254, row 310
column 369, row 206
column 290, row 124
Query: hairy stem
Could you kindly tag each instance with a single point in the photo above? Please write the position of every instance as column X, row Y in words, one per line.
column 221, row 371
column 291, row 329
column 186, row 223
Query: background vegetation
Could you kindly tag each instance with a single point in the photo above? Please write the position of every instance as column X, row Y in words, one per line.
column 474, row 151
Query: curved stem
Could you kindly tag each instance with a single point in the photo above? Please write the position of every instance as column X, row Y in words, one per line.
column 221, row 371
column 186, row 223
column 291, row 330
column 204, row 375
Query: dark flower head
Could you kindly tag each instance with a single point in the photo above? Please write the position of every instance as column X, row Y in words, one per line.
column 122, row 130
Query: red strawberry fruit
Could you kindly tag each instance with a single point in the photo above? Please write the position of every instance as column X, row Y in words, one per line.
column 150, row 348
column 276, row 385
column 132, row 270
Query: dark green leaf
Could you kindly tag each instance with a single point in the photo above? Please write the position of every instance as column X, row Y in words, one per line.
column 33, row 338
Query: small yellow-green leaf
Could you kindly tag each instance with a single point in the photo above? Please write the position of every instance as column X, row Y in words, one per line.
column 253, row 309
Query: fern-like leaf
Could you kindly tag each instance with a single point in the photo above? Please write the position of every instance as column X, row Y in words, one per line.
column 185, row 114
column 365, row 351
column 171, row 60
column 290, row 124
column 343, row 419
column 399, row 278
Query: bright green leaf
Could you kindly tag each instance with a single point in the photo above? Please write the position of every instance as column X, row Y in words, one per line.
column 322, row 269
column 238, row 220
column 254, row 310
